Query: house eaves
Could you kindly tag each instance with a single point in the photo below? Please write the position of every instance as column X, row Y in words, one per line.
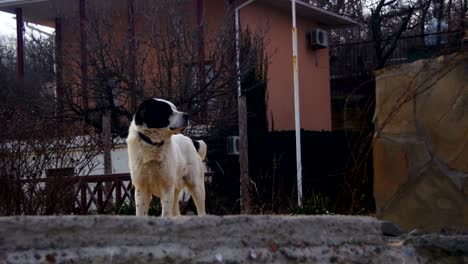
column 324, row 18
column 35, row 11
column 5, row 3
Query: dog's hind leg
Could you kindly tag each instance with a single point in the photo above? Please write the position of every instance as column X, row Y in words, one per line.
column 142, row 202
column 198, row 195
column 175, row 204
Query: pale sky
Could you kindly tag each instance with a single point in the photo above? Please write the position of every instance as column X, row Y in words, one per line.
column 7, row 24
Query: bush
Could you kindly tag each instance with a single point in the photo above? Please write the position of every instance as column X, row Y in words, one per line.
column 327, row 161
column 316, row 204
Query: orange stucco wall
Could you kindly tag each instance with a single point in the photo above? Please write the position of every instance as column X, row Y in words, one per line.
column 115, row 14
column 313, row 70
column 313, row 65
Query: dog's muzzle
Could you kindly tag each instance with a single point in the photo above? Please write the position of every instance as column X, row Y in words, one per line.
column 182, row 124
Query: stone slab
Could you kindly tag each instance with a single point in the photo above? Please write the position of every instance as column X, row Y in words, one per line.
column 210, row 239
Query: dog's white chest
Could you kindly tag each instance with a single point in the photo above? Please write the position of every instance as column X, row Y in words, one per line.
column 150, row 154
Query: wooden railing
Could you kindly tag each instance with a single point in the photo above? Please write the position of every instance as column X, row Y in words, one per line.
column 89, row 194
column 102, row 191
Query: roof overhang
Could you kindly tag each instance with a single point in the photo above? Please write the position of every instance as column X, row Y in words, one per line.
column 325, row 19
column 35, row 11
column 41, row 12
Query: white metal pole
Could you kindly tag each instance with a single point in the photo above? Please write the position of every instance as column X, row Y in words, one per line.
column 297, row 110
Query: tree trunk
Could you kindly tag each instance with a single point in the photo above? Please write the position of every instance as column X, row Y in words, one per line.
column 440, row 15
column 462, row 16
column 449, row 15
column 425, row 9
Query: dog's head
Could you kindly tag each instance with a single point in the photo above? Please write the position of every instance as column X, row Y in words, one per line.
column 159, row 119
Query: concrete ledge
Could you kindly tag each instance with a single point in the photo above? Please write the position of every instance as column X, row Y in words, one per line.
column 213, row 239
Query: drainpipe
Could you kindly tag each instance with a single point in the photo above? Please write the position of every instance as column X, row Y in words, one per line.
column 297, row 111
column 245, row 201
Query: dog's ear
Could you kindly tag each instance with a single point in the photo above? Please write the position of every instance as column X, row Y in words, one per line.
column 140, row 116
column 153, row 113
column 140, row 113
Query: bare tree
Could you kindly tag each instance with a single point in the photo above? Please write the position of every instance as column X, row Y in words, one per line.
column 462, row 9
column 388, row 21
column 39, row 66
column 35, row 146
column 7, row 67
column 163, row 55
column 34, row 142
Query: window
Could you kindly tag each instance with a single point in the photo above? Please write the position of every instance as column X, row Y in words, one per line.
column 60, row 172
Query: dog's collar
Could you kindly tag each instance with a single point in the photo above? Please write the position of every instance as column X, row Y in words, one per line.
column 149, row 141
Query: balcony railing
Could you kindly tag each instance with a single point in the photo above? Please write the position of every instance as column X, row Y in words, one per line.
column 355, row 60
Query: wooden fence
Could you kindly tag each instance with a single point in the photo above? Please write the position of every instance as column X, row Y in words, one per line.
column 104, row 191
column 86, row 194
column 101, row 191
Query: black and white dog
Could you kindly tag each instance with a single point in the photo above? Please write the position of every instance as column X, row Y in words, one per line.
column 164, row 162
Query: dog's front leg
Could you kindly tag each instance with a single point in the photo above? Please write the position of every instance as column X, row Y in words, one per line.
column 142, row 202
column 167, row 200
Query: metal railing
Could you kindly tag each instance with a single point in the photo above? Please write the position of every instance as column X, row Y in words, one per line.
column 359, row 59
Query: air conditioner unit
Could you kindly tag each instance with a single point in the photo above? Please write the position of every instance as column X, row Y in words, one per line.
column 318, row 38
column 233, row 145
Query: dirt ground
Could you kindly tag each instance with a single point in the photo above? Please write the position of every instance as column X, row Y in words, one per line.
column 214, row 239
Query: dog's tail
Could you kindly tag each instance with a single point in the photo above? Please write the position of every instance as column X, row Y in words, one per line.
column 201, row 148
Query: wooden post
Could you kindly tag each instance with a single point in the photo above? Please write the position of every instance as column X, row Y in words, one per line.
column 83, row 199
column 99, row 206
column 246, row 199
column 20, row 50
column 84, row 55
column 107, row 147
column 118, row 192
column 245, row 195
